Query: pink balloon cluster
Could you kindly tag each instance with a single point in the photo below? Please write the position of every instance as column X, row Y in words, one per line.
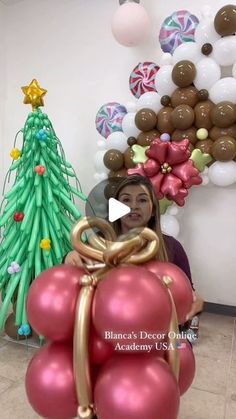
column 51, row 305
column 128, row 300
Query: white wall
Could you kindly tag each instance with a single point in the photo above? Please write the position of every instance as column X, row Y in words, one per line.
column 2, row 87
column 68, row 46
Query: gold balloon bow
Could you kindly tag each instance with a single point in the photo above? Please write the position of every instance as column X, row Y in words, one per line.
column 136, row 247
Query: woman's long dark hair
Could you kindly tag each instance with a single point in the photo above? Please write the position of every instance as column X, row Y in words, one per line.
column 154, row 222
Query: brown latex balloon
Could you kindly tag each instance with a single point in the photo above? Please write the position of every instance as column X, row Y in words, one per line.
column 205, row 146
column 145, row 119
column 118, row 173
column 110, row 188
column 190, row 134
column 203, row 95
column 165, row 100
column 224, row 149
column 146, row 138
column 207, row 49
column 183, row 73
column 216, row 132
column 11, row 329
column 128, row 155
column 203, row 114
column 225, row 20
column 164, row 124
column 191, row 147
column 131, row 141
column 223, row 114
column 182, row 117
column 113, row 159
column 185, row 96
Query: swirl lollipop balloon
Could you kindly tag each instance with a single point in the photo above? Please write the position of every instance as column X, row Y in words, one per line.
column 142, row 78
column 177, row 29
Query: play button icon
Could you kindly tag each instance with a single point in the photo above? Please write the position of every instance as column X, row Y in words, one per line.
column 116, row 210
column 102, row 203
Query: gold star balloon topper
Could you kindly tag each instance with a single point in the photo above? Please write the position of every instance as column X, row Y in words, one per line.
column 34, row 94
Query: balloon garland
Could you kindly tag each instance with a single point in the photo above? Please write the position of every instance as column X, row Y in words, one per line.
column 190, row 96
column 91, row 290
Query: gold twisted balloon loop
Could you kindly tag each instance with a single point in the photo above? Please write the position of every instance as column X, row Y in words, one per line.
column 173, row 355
column 136, row 247
column 86, row 250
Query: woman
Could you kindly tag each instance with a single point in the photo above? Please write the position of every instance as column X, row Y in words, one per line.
column 137, row 192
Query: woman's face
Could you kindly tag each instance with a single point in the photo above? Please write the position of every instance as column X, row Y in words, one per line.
column 136, row 197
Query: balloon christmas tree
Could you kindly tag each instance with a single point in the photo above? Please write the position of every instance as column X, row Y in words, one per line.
column 39, row 211
column 114, row 347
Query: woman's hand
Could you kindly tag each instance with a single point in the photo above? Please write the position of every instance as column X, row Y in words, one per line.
column 73, row 258
column 197, row 306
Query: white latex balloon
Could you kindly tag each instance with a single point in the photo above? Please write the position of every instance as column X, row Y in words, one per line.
column 166, row 59
column 128, row 125
column 205, row 33
column 205, row 180
column 150, row 100
column 169, row 225
column 207, row 12
column 187, row 51
column 223, row 89
column 101, row 144
column 222, row 173
column 163, row 81
column 98, row 162
column 131, row 106
column 234, row 71
column 173, row 210
column 224, row 51
column 117, row 140
column 99, row 177
column 227, row 71
column 207, row 73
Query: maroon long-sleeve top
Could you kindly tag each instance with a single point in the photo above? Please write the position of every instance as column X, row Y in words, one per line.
column 177, row 255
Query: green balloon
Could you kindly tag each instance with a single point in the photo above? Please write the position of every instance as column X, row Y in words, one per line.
column 164, row 204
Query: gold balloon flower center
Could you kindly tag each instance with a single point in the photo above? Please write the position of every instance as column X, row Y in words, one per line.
column 165, row 168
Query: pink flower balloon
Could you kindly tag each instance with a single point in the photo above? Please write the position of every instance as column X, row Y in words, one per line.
column 136, row 386
column 179, row 173
column 130, row 300
column 130, row 24
column 52, row 300
column 187, row 366
column 50, row 385
column 181, row 288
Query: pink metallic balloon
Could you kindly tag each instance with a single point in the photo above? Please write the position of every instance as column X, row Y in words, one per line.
column 52, row 300
column 187, row 366
column 181, row 287
column 151, row 167
column 136, row 386
column 100, row 351
column 50, row 385
column 130, row 300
